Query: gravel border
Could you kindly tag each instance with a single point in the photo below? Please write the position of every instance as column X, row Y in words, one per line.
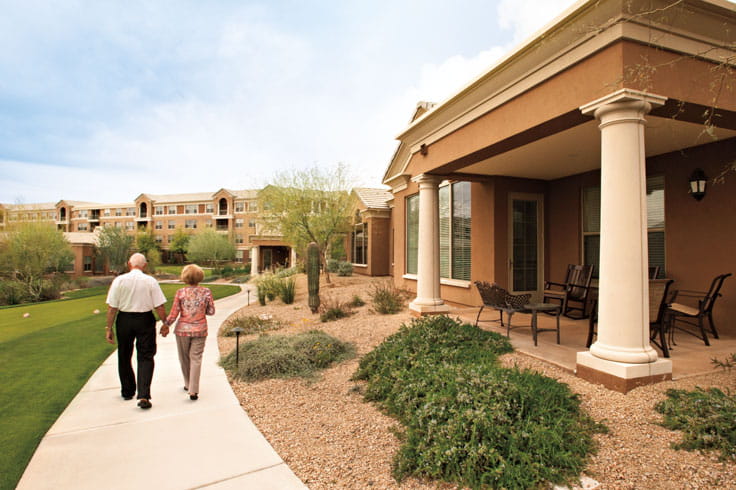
column 332, row 439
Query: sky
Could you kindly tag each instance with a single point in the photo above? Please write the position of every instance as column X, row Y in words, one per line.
column 103, row 101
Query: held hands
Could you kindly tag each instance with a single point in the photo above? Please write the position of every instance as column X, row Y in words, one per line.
column 164, row 330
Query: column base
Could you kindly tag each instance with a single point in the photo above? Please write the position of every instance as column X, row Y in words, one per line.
column 419, row 310
column 621, row 376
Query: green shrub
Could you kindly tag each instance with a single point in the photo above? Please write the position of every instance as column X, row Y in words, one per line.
column 344, row 269
column 387, row 299
column 705, row 417
column 356, row 302
column 241, row 279
column 12, row 293
column 268, row 286
column 282, row 273
column 287, row 290
column 251, row 324
column 469, row 421
column 261, row 297
column 284, row 357
column 332, row 266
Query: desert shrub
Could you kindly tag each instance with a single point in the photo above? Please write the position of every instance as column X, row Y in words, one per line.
column 251, row 324
column 261, row 297
column 284, row 357
column 344, row 269
column 282, row 273
column 287, row 290
column 387, row 299
column 705, row 417
column 50, row 289
column 356, row 302
column 99, row 281
column 332, row 266
column 80, row 282
column 268, row 286
column 241, row 279
column 12, row 293
column 332, row 308
column 469, row 421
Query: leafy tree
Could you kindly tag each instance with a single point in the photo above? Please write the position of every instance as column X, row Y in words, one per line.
column 146, row 244
column 114, row 244
column 179, row 244
column 308, row 206
column 30, row 252
column 211, row 247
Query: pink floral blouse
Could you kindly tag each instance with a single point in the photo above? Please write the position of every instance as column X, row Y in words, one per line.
column 191, row 304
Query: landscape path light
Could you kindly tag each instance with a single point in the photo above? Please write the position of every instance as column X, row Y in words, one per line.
column 238, row 331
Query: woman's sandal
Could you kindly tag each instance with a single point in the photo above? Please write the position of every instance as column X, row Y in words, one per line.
column 194, row 396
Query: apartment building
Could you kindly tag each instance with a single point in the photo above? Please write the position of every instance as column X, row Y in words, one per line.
column 231, row 212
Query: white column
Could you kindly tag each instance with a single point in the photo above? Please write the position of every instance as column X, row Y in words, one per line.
column 254, row 261
column 623, row 304
column 428, row 300
column 292, row 261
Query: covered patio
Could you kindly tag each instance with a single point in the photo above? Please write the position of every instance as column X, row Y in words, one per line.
column 579, row 148
column 690, row 357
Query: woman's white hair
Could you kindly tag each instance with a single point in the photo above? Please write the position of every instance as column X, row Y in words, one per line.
column 137, row 260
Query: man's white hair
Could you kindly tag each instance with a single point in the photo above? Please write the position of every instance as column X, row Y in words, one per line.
column 137, row 260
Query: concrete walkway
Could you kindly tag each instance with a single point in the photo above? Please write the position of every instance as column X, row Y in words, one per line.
column 102, row 441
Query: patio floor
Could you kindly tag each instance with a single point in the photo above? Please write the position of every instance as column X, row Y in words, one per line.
column 689, row 357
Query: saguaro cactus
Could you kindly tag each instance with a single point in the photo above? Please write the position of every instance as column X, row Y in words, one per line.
column 313, row 276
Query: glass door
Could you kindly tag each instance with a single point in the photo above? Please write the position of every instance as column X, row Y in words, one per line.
column 526, row 243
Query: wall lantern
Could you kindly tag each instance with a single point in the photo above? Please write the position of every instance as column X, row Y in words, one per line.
column 697, row 184
column 423, row 149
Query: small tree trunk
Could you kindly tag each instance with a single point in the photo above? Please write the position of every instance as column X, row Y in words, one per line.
column 323, row 257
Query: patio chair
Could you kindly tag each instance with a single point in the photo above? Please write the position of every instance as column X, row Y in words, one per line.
column 679, row 313
column 573, row 293
column 658, row 300
column 496, row 297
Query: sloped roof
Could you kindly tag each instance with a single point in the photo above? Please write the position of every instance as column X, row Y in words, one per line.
column 373, row 198
column 30, row 207
column 197, row 196
column 98, row 205
column 81, row 237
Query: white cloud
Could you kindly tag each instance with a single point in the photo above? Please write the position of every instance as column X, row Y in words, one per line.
column 525, row 18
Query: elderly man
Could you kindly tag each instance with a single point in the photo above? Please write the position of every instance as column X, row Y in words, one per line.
column 131, row 299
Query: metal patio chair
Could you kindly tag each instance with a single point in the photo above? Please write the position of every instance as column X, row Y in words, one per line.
column 573, row 293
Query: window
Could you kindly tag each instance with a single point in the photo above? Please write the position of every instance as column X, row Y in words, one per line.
column 655, row 224
column 158, row 225
column 118, row 212
column 253, row 206
column 82, row 227
column 251, row 223
column 106, row 212
column 239, row 207
column 83, row 213
column 412, row 233
column 129, row 225
column 190, row 209
column 130, row 212
column 454, row 204
column 171, row 224
column 158, row 210
column 208, row 223
column 87, row 263
column 239, row 222
column 360, row 244
column 118, row 224
column 190, row 223
column 209, row 208
column 158, row 239
column 171, row 210
column 239, row 239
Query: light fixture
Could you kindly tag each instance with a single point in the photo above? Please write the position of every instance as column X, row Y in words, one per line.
column 697, row 184
column 423, row 150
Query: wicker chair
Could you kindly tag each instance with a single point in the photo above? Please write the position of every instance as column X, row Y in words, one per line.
column 573, row 293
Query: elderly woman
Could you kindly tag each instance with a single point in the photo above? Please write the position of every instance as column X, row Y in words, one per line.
column 191, row 304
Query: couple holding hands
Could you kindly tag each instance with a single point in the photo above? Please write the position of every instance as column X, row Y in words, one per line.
column 131, row 300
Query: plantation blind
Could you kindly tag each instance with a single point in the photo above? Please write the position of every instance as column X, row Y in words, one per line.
column 445, row 239
column 461, row 226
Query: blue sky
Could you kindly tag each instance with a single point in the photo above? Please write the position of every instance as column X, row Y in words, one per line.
column 100, row 101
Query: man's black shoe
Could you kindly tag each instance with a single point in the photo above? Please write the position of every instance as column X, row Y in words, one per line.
column 144, row 403
column 129, row 397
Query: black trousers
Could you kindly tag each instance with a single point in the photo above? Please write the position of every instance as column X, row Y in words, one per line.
column 141, row 329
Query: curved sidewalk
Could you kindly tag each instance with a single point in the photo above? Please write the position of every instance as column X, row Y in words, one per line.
column 102, row 441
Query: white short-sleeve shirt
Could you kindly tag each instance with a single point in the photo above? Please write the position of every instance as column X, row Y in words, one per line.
column 135, row 292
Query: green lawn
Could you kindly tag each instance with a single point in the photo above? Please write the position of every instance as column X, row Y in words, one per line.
column 45, row 359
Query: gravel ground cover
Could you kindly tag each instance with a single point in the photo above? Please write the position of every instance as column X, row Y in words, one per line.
column 332, row 439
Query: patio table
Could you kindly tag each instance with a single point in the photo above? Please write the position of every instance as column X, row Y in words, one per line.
column 534, row 308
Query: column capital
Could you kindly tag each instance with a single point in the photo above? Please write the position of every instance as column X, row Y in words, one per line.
column 427, row 180
column 641, row 102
